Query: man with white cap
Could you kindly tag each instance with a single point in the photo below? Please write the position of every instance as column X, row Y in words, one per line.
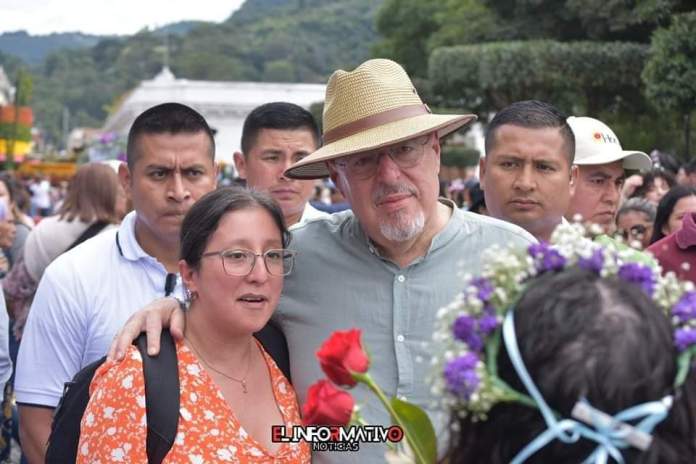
column 602, row 166
column 388, row 265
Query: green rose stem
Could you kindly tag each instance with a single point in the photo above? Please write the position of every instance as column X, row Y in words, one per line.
column 415, row 446
column 357, row 419
column 684, row 365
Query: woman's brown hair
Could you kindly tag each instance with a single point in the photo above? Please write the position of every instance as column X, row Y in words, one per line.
column 92, row 195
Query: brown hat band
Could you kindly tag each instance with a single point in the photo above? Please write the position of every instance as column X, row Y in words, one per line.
column 396, row 114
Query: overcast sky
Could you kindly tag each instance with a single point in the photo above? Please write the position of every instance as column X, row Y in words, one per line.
column 107, row 17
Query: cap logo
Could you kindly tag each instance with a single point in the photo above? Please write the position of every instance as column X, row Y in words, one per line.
column 606, row 138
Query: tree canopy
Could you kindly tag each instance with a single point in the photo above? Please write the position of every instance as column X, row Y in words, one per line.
column 584, row 56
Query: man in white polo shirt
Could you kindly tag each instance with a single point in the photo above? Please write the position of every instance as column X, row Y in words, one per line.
column 602, row 166
column 88, row 293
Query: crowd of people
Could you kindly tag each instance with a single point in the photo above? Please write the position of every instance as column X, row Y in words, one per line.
column 250, row 281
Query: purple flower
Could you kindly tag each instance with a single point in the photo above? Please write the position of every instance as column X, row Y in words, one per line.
column 483, row 287
column 488, row 322
column 594, row 263
column 685, row 309
column 684, row 338
column 639, row 274
column 464, row 329
column 461, row 377
column 546, row 258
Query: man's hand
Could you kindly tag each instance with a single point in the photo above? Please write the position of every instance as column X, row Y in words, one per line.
column 163, row 312
column 34, row 430
column 7, row 234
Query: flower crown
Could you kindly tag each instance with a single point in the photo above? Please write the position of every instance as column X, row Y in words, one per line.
column 468, row 331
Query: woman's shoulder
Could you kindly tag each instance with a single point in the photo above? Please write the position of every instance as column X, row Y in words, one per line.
column 125, row 374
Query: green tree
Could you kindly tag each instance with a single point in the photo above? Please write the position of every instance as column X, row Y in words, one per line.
column 670, row 72
column 406, row 26
column 486, row 77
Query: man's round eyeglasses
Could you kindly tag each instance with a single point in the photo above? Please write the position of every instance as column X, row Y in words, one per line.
column 278, row 262
column 406, row 154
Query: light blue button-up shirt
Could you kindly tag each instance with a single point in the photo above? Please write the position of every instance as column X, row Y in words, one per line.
column 340, row 282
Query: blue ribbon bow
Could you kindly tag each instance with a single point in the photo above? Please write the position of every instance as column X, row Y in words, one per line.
column 610, row 438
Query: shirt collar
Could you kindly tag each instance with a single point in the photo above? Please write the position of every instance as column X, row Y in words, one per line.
column 686, row 236
column 127, row 243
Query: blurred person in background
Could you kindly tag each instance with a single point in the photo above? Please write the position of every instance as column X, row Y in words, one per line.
column 94, row 202
column 652, row 185
column 10, row 191
column 41, row 196
column 634, row 221
column 689, row 177
column 671, row 210
column 477, row 200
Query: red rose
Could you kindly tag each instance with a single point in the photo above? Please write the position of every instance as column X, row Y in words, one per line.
column 327, row 405
column 342, row 354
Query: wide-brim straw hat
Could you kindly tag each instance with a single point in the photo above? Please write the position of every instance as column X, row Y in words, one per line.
column 371, row 107
column 596, row 143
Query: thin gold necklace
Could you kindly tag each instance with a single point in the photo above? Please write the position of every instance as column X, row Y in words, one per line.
column 241, row 381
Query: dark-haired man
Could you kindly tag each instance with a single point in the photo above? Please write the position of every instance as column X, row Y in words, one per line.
column 527, row 175
column 85, row 295
column 275, row 136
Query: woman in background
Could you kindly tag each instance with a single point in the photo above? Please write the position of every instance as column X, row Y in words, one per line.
column 671, row 210
column 94, row 202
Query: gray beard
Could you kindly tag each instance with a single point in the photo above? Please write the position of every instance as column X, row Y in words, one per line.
column 401, row 227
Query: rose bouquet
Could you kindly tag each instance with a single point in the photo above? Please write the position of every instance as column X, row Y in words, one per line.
column 346, row 363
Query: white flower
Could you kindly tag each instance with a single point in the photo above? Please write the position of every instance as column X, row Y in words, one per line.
column 127, row 382
column 118, row 454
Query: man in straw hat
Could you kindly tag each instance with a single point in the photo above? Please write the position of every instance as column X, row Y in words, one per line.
column 391, row 263
column 602, row 166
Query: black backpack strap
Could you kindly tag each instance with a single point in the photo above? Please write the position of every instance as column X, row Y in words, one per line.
column 89, row 232
column 161, row 396
column 275, row 344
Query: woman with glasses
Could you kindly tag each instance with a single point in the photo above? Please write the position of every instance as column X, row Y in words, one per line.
column 233, row 260
column 634, row 221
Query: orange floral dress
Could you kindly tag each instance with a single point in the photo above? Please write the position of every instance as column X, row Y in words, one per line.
column 114, row 425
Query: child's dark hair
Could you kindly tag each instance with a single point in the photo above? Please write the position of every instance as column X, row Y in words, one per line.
column 582, row 336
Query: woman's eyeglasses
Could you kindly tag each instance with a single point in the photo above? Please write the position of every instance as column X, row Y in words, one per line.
column 278, row 262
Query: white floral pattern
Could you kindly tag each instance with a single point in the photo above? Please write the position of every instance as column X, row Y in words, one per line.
column 114, row 425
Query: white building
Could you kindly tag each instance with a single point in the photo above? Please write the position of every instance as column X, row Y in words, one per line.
column 224, row 105
column 6, row 89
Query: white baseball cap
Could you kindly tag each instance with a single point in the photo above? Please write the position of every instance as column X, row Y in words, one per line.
column 596, row 143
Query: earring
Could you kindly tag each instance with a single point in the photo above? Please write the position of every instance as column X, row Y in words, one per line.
column 190, row 296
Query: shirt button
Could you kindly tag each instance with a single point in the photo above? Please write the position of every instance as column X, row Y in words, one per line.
column 400, row 338
column 401, row 278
